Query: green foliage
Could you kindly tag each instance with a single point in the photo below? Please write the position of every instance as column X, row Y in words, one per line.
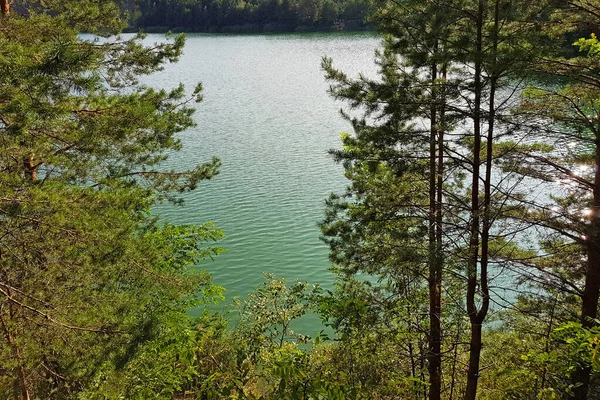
column 266, row 316
column 583, row 343
column 442, row 111
column 241, row 16
column 536, row 358
column 568, row 113
column 94, row 291
column 259, row 358
column 90, row 282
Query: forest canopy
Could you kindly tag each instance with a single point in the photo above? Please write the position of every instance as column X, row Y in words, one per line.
column 253, row 16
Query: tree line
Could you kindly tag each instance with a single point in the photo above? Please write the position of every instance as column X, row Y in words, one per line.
column 466, row 246
column 248, row 16
column 474, row 188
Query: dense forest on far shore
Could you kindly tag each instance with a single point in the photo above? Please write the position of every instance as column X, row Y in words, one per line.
column 248, row 16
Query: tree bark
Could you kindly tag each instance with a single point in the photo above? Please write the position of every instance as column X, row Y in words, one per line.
column 20, row 369
column 478, row 316
column 591, row 291
column 5, row 7
column 474, row 244
column 434, row 362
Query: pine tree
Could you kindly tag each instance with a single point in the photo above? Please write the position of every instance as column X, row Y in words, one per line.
column 87, row 275
column 449, row 67
column 564, row 117
column 397, row 169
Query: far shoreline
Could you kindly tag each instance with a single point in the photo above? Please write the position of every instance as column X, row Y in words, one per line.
column 252, row 29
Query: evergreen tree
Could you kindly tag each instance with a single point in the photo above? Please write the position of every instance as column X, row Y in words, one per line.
column 87, row 275
column 432, row 119
column 561, row 111
column 397, row 169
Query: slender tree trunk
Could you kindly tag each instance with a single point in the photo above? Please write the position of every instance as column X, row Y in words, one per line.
column 477, row 322
column 411, row 347
column 591, row 291
column 435, row 331
column 478, row 316
column 20, row 369
column 422, row 350
column 455, row 360
column 475, row 343
column 547, row 344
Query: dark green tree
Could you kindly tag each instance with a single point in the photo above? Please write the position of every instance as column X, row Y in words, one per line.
column 434, row 118
column 397, row 167
column 250, row 16
column 563, row 114
column 87, row 275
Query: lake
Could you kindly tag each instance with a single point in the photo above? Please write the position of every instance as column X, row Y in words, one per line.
column 268, row 117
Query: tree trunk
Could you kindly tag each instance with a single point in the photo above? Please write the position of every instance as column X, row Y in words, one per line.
column 474, row 358
column 434, row 361
column 20, row 369
column 591, row 291
column 478, row 316
column 5, row 7
column 475, row 343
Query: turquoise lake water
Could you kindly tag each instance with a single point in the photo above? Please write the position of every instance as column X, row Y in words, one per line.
column 268, row 117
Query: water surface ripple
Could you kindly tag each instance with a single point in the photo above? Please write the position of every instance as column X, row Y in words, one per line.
column 268, row 117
